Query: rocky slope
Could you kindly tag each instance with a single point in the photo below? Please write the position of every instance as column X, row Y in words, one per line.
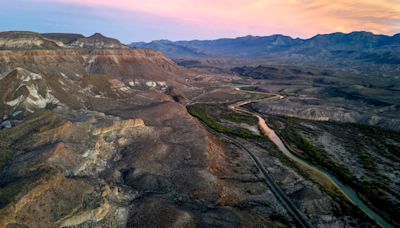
column 340, row 111
column 320, row 94
column 95, row 138
column 71, row 77
column 52, row 179
column 22, row 89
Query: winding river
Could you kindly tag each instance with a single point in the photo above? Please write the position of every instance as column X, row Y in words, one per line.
column 344, row 189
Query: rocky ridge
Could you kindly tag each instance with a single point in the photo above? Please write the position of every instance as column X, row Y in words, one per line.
column 16, row 40
column 26, row 40
column 361, row 52
column 98, row 41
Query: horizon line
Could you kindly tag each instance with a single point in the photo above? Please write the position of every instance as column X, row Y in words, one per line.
column 208, row 39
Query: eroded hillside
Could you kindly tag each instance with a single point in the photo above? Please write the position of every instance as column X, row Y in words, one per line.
column 98, row 138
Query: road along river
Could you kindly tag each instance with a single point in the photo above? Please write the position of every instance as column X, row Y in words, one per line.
column 344, row 189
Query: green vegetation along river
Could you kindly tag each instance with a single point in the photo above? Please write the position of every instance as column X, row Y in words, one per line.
column 344, row 189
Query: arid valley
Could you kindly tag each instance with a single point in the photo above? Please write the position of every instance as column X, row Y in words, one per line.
column 96, row 133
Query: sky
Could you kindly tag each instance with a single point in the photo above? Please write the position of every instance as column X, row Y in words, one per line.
column 146, row 20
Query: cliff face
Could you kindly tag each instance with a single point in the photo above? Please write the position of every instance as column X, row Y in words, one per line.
column 26, row 40
column 132, row 63
column 35, row 79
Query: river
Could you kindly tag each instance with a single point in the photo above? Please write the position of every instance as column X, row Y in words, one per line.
column 344, row 189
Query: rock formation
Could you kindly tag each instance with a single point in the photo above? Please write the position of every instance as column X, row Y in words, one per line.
column 16, row 40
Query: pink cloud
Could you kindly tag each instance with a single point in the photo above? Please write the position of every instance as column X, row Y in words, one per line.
column 293, row 17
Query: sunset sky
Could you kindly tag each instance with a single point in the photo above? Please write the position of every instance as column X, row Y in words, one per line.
column 133, row 20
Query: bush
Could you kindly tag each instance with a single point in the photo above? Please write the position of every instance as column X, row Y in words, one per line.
column 314, row 154
column 237, row 118
column 200, row 111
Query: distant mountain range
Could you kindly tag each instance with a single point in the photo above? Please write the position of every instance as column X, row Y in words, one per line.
column 248, row 46
column 363, row 52
column 338, row 49
column 355, row 44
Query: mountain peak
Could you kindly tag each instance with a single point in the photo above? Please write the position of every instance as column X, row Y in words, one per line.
column 99, row 41
column 98, row 36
